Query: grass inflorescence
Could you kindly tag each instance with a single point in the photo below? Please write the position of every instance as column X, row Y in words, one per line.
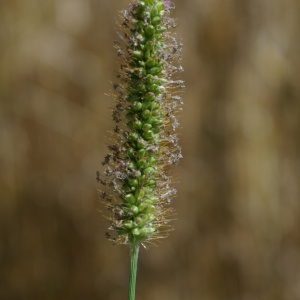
column 137, row 187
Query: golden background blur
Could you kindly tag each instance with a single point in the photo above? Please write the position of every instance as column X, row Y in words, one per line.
column 237, row 229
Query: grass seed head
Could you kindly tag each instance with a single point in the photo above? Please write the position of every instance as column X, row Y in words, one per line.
column 136, row 185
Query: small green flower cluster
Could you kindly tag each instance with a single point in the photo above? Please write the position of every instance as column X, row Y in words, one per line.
column 137, row 184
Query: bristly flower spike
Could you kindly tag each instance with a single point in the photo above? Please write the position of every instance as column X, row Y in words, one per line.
column 137, row 186
column 144, row 143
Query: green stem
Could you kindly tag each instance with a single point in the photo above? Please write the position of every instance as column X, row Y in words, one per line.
column 134, row 254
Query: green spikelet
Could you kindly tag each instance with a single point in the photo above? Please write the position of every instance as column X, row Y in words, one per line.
column 137, row 188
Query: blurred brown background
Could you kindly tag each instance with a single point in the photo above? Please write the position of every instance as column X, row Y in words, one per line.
column 237, row 233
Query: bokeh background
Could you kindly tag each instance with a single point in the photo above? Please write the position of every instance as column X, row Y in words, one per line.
column 238, row 209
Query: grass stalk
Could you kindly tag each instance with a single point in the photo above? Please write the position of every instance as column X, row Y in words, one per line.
column 134, row 254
